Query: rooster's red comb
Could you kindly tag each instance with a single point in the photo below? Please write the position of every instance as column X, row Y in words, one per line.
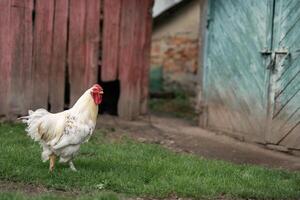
column 97, row 87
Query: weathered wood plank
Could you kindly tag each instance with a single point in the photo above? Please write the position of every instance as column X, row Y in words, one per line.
column 28, row 56
column 5, row 56
column 21, row 63
column 138, row 57
column 286, row 77
column 134, row 51
column 128, row 73
column 201, row 103
column 83, row 46
column 58, row 58
column 77, row 52
column 235, row 84
column 146, row 43
column 43, row 32
column 111, row 31
column 92, row 39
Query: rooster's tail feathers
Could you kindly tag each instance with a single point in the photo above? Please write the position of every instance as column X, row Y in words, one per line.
column 33, row 121
column 24, row 119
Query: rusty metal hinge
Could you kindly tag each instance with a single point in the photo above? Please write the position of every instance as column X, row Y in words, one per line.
column 272, row 63
column 266, row 52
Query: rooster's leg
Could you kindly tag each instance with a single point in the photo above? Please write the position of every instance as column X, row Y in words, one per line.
column 52, row 158
column 72, row 167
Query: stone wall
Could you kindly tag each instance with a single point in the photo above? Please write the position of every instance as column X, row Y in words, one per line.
column 177, row 56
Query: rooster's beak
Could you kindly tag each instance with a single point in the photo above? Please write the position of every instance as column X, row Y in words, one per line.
column 101, row 92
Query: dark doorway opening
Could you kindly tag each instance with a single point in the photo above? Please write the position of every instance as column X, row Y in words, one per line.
column 111, row 96
column 67, row 90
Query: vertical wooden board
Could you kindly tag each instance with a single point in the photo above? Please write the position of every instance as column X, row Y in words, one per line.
column 236, row 84
column 77, row 51
column 146, row 46
column 28, row 56
column 58, row 58
column 133, row 61
column 21, row 44
column 5, row 56
column 201, row 105
column 43, row 31
column 92, row 39
column 17, row 33
column 137, row 59
column 84, row 36
column 286, row 82
column 128, row 74
column 111, row 31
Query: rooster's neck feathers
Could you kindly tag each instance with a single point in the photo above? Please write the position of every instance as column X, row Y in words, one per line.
column 85, row 107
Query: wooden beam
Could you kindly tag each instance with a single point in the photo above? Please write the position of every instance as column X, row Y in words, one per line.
column 84, row 36
column 92, row 40
column 146, row 42
column 5, row 56
column 76, row 57
column 111, row 31
column 58, row 58
column 28, row 56
column 43, row 33
column 203, row 34
column 21, row 56
column 134, row 52
column 128, row 104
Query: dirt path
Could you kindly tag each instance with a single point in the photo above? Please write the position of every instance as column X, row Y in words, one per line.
column 181, row 136
column 32, row 190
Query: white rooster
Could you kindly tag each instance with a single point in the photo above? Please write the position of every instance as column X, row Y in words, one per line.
column 61, row 134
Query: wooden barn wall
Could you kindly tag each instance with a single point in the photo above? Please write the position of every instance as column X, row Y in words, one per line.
column 53, row 50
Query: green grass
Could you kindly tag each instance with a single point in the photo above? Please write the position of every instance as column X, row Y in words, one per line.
column 136, row 169
column 21, row 196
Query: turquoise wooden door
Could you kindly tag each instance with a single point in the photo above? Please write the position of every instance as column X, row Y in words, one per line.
column 285, row 77
column 236, row 79
column 252, row 70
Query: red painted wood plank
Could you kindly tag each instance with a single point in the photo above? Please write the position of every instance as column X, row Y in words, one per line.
column 135, row 36
column 92, row 40
column 58, row 58
column 111, row 29
column 28, row 56
column 84, row 35
column 139, row 32
column 5, row 56
column 146, row 46
column 43, row 30
column 76, row 58
column 21, row 63
column 129, row 69
column 126, row 59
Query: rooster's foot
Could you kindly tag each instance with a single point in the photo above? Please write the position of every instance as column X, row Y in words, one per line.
column 72, row 167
